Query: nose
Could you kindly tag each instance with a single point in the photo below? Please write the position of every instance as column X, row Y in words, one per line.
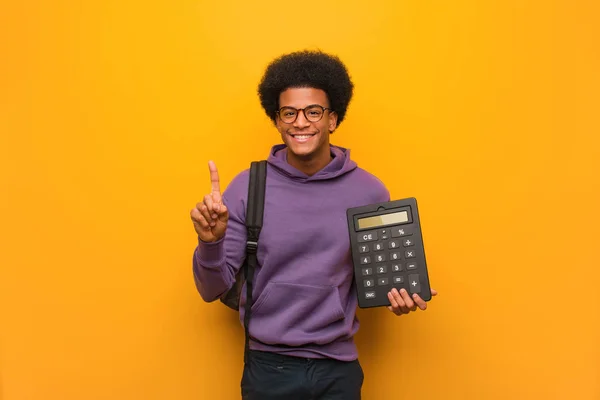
column 301, row 121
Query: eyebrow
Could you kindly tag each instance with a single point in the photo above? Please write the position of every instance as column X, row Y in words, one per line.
column 310, row 105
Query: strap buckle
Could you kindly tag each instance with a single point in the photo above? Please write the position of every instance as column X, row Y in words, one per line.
column 251, row 246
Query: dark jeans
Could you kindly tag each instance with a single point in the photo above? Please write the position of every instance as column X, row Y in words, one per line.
column 270, row 376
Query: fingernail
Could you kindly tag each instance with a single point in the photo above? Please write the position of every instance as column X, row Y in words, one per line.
column 395, row 290
column 402, row 290
column 414, row 296
column 212, row 223
column 214, row 216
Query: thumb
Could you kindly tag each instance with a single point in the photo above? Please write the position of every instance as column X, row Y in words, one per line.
column 223, row 213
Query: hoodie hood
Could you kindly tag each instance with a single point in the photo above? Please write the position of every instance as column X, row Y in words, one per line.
column 339, row 165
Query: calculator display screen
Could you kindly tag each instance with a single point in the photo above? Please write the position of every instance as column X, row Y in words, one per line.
column 383, row 219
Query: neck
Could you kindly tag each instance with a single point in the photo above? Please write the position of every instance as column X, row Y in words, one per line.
column 312, row 164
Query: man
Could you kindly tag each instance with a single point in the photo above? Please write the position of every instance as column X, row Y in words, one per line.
column 303, row 318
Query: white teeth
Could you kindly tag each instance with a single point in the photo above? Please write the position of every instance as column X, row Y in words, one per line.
column 302, row 136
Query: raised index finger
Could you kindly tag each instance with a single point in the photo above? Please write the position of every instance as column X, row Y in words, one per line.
column 214, row 180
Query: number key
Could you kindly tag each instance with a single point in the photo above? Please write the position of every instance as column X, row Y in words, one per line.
column 394, row 244
column 382, row 269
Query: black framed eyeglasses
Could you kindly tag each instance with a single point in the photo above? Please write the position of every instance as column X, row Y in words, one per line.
column 312, row 113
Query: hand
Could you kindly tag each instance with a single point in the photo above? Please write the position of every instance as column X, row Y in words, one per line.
column 210, row 217
column 402, row 303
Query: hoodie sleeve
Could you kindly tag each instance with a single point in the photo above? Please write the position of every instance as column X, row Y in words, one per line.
column 216, row 264
column 381, row 193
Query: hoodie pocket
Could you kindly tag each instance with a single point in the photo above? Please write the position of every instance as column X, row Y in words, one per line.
column 294, row 314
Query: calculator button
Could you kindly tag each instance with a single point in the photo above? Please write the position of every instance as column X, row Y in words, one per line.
column 365, row 260
column 367, row 237
column 381, row 269
column 367, row 271
column 378, row 246
column 410, row 254
column 398, row 279
column 398, row 232
column 364, row 248
column 413, row 283
column 408, row 242
column 369, row 282
column 394, row 244
column 385, row 234
column 369, row 295
column 397, row 267
column 382, row 281
column 380, row 258
column 395, row 255
column 412, row 265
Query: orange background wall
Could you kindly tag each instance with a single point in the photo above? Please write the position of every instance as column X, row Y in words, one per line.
column 486, row 111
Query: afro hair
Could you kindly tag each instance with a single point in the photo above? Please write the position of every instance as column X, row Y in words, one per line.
column 313, row 69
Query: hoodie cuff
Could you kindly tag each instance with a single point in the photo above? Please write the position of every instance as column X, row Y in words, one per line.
column 211, row 255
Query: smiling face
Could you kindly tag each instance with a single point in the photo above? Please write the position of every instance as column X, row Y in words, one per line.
column 307, row 142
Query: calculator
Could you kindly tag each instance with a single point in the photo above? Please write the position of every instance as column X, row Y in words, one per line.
column 387, row 251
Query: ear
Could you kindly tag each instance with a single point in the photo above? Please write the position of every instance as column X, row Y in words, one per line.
column 277, row 123
column 332, row 121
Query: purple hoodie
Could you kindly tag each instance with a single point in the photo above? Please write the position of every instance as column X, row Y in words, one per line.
column 304, row 294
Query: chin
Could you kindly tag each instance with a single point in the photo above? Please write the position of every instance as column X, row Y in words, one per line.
column 300, row 152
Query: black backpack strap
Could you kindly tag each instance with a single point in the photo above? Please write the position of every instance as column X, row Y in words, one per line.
column 254, row 221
